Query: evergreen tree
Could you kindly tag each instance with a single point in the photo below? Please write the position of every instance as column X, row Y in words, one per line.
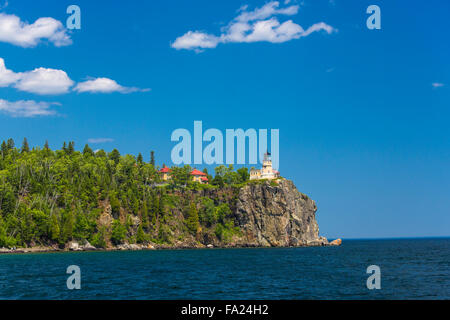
column 64, row 147
column 10, row 144
column 4, row 149
column 87, row 150
column 115, row 205
column 118, row 233
column 192, row 222
column 243, row 173
column 152, row 158
column 71, row 148
column 140, row 236
column 46, row 147
column 155, row 209
column 25, row 146
column 54, row 229
column 140, row 159
column 98, row 240
column 67, row 231
column 114, row 155
column 144, row 216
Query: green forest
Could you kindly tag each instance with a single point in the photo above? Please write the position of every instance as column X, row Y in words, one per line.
column 50, row 197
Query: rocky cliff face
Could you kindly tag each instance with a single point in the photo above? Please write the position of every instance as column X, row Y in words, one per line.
column 277, row 215
column 268, row 214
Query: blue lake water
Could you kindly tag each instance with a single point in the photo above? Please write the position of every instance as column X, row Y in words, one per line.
column 410, row 269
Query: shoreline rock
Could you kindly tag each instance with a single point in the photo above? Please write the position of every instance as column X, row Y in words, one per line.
column 74, row 246
column 336, row 242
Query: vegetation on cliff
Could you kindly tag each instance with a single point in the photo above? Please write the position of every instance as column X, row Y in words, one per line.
column 53, row 197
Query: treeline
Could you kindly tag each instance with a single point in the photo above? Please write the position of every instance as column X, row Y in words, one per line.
column 52, row 197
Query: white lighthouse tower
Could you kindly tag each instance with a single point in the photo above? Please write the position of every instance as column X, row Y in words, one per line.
column 266, row 172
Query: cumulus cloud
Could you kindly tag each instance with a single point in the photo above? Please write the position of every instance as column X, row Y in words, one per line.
column 258, row 25
column 99, row 140
column 40, row 80
column 23, row 34
column 46, row 81
column 196, row 40
column 27, row 108
column 104, row 85
column 434, row 84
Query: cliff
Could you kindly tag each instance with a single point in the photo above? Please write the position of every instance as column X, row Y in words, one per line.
column 277, row 215
column 257, row 214
column 264, row 214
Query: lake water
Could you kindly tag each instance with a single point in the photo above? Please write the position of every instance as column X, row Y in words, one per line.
column 410, row 269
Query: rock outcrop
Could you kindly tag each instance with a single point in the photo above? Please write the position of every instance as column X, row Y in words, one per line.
column 75, row 246
column 276, row 214
column 336, row 242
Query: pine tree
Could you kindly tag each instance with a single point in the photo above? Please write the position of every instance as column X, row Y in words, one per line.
column 118, row 232
column 87, row 150
column 46, row 147
column 155, row 208
column 144, row 215
column 192, row 222
column 71, row 148
column 140, row 236
column 115, row 156
column 64, row 147
column 10, row 144
column 4, row 149
column 152, row 158
column 140, row 159
column 54, row 228
column 25, row 146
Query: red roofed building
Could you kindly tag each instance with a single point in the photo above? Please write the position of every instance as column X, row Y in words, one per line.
column 199, row 176
column 165, row 173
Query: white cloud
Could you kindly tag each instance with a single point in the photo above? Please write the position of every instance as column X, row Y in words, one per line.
column 266, row 30
column 252, row 26
column 268, row 10
column 40, row 80
column 434, row 84
column 23, row 34
column 44, row 81
column 196, row 39
column 104, row 85
column 27, row 108
column 100, row 140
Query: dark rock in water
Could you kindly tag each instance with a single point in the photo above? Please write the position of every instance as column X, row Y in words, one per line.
column 277, row 215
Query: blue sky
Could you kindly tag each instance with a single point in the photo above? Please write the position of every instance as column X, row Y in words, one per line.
column 363, row 114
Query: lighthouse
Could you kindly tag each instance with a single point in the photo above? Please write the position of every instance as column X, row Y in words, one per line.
column 267, row 172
